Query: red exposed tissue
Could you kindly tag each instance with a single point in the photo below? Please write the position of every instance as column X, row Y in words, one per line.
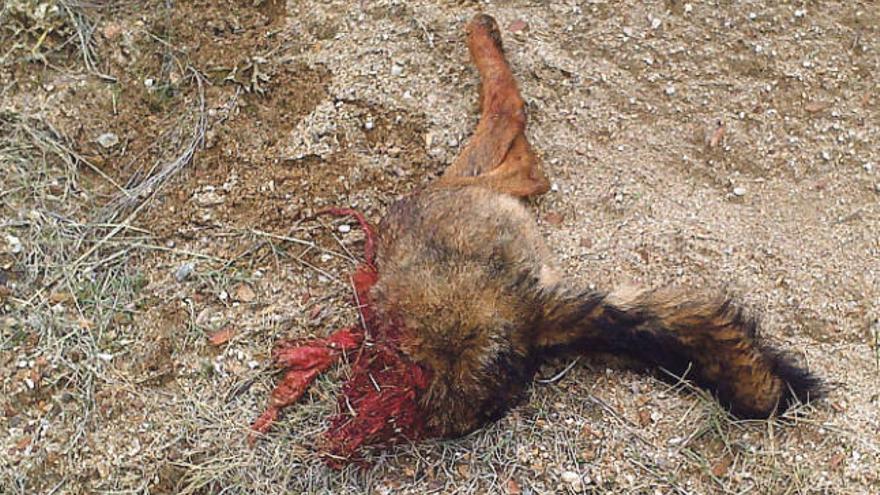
column 380, row 403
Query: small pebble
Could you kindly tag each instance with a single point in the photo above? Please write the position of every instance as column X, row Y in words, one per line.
column 244, row 293
column 739, row 191
column 13, row 243
column 518, row 26
column 396, row 70
column 570, row 477
column 368, row 125
column 184, row 271
column 688, row 8
column 209, row 198
column 111, row 30
column 345, row 228
column 554, row 218
column 108, row 140
column 670, row 90
column 148, row 82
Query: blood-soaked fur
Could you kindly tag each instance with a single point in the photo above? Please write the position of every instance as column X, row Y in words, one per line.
column 463, row 301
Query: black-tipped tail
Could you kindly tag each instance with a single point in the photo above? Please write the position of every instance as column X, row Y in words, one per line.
column 712, row 343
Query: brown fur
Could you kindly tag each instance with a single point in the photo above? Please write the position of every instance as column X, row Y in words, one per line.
column 463, row 301
column 462, row 264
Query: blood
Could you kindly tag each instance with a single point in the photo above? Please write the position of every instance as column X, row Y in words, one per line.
column 383, row 392
column 379, row 405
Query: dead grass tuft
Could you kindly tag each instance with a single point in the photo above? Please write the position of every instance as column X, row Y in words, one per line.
column 46, row 31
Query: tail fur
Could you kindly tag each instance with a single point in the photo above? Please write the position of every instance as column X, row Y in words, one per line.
column 712, row 343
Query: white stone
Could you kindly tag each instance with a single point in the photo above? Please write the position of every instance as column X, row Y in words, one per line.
column 108, row 140
column 13, row 243
column 570, row 477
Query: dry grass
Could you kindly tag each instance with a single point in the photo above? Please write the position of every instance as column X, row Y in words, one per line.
column 28, row 24
column 109, row 383
column 45, row 210
column 74, row 281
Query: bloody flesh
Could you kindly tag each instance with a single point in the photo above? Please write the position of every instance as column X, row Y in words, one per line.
column 380, row 403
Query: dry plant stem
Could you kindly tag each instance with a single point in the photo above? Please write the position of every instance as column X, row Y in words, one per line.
column 149, row 186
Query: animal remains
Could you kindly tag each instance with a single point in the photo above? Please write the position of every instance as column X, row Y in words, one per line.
column 460, row 303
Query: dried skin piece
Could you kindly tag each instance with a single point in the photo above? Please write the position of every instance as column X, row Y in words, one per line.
column 498, row 156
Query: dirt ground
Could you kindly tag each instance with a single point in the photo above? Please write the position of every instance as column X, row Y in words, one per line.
column 159, row 158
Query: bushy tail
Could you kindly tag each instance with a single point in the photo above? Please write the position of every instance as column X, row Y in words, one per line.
column 712, row 343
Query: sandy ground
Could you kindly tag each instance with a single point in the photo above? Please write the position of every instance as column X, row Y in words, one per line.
column 152, row 250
